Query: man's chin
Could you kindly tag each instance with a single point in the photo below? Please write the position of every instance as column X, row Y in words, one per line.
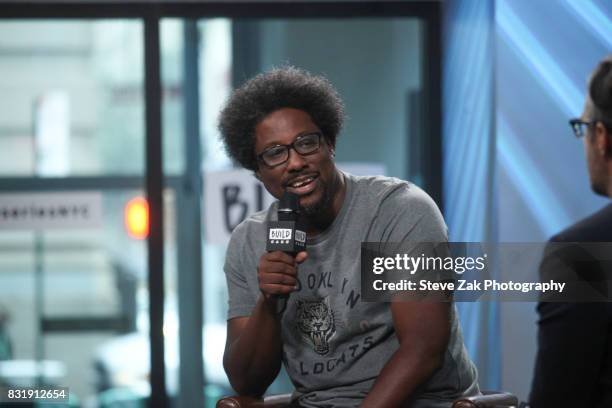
column 317, row 202
column 309, row 208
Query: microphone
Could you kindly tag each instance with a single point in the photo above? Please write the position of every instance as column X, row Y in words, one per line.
column 287, row 234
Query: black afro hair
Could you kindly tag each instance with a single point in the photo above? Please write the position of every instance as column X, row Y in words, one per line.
column 285, row 87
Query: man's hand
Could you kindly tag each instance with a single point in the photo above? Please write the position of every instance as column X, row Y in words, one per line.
column 277, row 273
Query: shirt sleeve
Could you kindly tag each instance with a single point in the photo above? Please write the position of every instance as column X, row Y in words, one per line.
column 241, row 301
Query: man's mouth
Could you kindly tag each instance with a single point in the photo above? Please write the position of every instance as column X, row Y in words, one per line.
column 302, row 185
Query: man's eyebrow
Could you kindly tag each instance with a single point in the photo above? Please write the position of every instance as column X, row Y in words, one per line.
column 269, row 146
column 300, row 134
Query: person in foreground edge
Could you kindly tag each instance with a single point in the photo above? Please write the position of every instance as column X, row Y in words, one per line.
column 574, row 360
column 337, row 350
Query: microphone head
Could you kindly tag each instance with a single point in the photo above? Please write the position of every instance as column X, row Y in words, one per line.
column 288, row 207
column 289, row 201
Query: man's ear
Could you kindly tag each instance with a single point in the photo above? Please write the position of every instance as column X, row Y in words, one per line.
column 331, row 147
column 603, row 140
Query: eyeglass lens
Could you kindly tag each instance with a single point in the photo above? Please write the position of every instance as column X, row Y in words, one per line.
column 279, row 154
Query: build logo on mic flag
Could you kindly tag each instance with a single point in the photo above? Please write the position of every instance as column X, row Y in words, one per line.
column 285, row 236
column 280, row 234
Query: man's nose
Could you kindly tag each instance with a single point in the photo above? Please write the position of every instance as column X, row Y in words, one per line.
column 295, row 161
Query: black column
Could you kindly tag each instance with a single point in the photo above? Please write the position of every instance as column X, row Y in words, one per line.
column 189, row 233
column 154, row 186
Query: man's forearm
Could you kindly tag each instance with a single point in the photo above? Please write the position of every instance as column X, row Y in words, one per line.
column 253, row 360
column 400, row 377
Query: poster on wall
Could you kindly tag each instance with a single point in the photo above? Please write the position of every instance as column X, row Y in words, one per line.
column 229, row 197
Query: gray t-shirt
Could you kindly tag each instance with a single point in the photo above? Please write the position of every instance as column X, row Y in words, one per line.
column 335, row 345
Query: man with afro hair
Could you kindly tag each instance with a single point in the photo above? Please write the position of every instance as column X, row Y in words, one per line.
column 338, row 350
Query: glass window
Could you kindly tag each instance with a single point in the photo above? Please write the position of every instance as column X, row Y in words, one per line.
column 71, row 98
column 72, row 104
column 73, row 295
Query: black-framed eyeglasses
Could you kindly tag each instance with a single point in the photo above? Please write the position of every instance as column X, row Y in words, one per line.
column 579, row 126
column 279, row 154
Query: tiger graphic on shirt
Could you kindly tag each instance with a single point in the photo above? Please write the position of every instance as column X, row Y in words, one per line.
column 316, row 323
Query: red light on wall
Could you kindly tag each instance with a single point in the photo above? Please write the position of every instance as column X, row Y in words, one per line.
column 136, row 218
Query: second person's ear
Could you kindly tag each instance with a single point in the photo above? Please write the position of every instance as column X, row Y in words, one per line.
column 602, row 139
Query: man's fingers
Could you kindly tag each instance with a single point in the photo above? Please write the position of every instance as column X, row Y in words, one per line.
column 274, row 289
column 277, row 278
column 277, row 267
column 301, row 257
column 277, row 272
column 279, row 256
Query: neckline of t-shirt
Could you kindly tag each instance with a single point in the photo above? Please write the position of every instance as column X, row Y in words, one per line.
column 317, row 239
